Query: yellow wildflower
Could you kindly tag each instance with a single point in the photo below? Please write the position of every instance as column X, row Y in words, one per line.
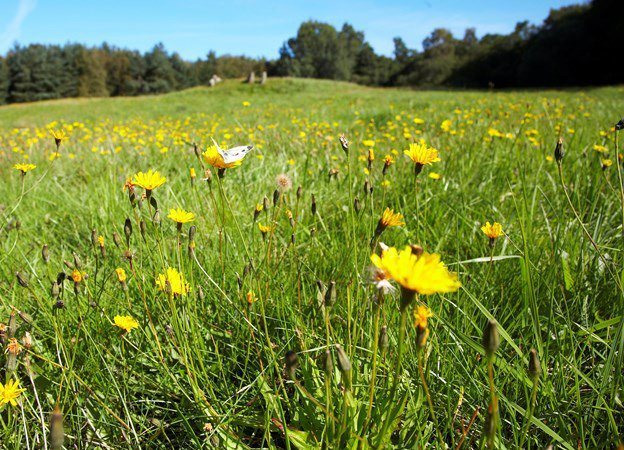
column 421, row 314
column 421, row 154
column 126, row 323
column 150, row 180
column 214, row 158
column 10, row 392
column 24, row 167
column 181, row 216
column 121, row 275
column 424, row 274
column 492, row 231
column 175, row 280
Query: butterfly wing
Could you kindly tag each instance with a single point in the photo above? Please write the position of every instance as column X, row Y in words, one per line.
column 236, row 153
column 233, row 154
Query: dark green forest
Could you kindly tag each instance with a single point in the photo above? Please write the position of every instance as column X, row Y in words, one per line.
column 577, row 45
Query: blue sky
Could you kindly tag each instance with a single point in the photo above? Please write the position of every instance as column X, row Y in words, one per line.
column 251, row 27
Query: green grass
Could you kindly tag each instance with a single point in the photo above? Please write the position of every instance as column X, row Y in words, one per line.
column 207, row 370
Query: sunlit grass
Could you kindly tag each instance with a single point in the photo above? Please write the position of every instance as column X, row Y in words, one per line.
column 238, row 307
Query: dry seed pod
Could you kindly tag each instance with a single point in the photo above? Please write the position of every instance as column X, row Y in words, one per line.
column 299, row 192
column 330, row 295
column 344, row 143
column 344, row 364
column 559, row 152
column 128, row 231
column 327, row 362
column 94, row 237
column 116, row 239
column 45, row 253
column 143, row 228
column 22, row 279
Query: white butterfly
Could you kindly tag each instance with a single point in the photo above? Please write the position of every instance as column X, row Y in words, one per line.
column 233, row 154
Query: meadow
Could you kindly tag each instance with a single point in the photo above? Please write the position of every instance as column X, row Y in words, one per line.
column 256, row 314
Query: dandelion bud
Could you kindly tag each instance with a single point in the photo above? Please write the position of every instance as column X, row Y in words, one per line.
column 327, row 362
column 132, row 196
column 239, row 281
column 422, row 333
column 491, row 339
column 383, row 338
column 193, row 175
column 289, row 214
column 344, row 143
column 333, row 173
column 94, row 237
column 276, row 197
column 22, row 279
column 56, row 290
column 367, row 188
column 292, row 238
column 25, row 317
column 12, row 325
column 257, row 210
column 57, row 434
column 220, row 173
column 620, row 125
column 330, row 295
column 60, row 277
column 208, row 176
column 344, row 364
column 559, row 152
column 371, row 158
column 299, row 192
column 200, row 293
column 291, row 364
column 156, row 217
column 417, row 250
column 313, row 205
column 168, row 289
column 27, row 340
column 77, row 261
column 312, row 232
column 535, row 368
column 265, row 203
column 356, row 205
column 320, row 295
column 45, row 253
column 128, row 231
column 116, row 239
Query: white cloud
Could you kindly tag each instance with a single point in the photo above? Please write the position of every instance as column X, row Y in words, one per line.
column 12, row 31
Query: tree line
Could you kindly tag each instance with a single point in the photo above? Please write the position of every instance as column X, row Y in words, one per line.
column 575, row 46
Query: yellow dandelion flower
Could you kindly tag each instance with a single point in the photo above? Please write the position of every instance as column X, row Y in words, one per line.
column 121, row 275
column 435, row 176
column 24, row 167
column 214, row 158
column 78, row 276
column 180, row 216
column 368, row 143
column 100, row 240
column 175, row 280
column 424, row 274
column 59, row 136
column 421, row 154
column 601, row 148
column 390, row 219
column 126, row 323
column 149, row 181
column 10, row 392
column 250, row 298
column 421, row 314
column 492, row 231
column 606, row 163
